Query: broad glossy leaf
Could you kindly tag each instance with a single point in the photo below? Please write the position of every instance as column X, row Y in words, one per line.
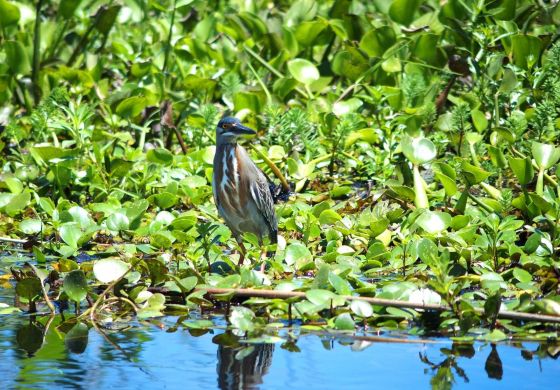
column 297, row 253
column 545, row 155
column 132, row 107
column 67, row 8
column 526, row 50
column 418, row 150
column 376, row 41
column 30, row 225
column 434, row 221
column 350, row 63
column 9, row 13
column 473, row 174
column 109, row 270
column 117, row 222
column 344, row 321
column 492, row 282
column 361, row 308
column 523, row 169
column 160, row 156
column 303, row 71
column 29, row 288
column 242, row 318
column 403, row 11
column 75, row 285
column 70, row 233
column 346, row 106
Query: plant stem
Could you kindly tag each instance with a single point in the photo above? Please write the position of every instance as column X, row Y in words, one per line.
column 36, row 52
column 273, row 168
column 540, row 182
column 169, row 36
column 420, row 199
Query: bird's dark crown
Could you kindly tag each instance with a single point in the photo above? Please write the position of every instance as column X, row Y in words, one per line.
column 229, row 129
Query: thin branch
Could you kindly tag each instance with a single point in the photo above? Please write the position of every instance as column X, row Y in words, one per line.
column 36, row 53
column 273, row 168
column 505, row 314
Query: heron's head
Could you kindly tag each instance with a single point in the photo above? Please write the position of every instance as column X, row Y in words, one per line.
column 230, row 129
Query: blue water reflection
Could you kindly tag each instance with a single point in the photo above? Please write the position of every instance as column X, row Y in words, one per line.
column 149, row 356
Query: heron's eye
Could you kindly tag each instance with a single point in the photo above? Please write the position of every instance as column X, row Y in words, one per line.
column 226, row 126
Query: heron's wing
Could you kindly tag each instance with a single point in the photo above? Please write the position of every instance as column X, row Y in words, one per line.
column 260, row 192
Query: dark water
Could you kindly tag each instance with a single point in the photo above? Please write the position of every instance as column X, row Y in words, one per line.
column 154, row 355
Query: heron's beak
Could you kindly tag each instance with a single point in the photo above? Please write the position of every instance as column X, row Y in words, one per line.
column 241, row 130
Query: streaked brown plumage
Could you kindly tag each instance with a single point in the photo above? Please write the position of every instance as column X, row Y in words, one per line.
column 241, row 191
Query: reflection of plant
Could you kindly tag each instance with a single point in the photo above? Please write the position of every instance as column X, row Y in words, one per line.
column 444, row 378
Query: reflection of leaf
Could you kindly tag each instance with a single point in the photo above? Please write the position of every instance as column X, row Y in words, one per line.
column 76, row 339
column 30, row 338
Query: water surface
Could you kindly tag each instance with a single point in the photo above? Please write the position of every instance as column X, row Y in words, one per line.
column 160, row 355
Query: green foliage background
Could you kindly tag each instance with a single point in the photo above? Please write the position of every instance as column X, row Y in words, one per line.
column 418, row 138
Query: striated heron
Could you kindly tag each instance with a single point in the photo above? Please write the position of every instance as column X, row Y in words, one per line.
column 241, row 190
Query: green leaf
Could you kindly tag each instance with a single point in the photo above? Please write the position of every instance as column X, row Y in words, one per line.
column 479, row 120
column 495, row 335
column 434, row 221
column 473, row 174
column 160, row 156
column 366, row 135
column 545, row 155
column 109, row 270
column 75, row 285
column 521, row 275
column 105, row 21
column 76, row 339
column 9, row 13
column 350, row 63
column 403, row 11
column 132, row 107
column 297, row 254
column 344, row 321
column 303, row 71
column 329, row 217
column 30, row 226
column 526, row 50
column 17, row 58
column 418, row 150
column 548, row 306
column 320, row 297
column 70, row 233
column 492, row 282
column 346, row 106
column 523, row 169
column 67, row 8
column 242, row 318
column 29, row 288
column 361, row 308
column 378, row 40
column 117, row 222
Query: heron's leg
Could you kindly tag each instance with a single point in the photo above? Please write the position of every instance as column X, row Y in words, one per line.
column 242, row 252
column 262, row 259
